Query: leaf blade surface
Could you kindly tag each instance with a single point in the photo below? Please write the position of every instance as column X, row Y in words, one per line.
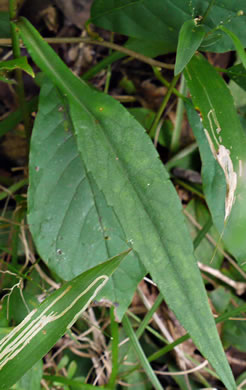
column 73, row 227
column 141, row 189
column 161, row 21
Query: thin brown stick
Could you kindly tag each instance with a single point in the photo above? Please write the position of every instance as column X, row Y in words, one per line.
column 110, row 45
column 240, row 287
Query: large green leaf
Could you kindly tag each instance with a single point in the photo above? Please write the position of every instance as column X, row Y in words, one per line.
column 72, row 226
column 28, row 342
column 222, row 143
column 126, row 167
column 161, row 20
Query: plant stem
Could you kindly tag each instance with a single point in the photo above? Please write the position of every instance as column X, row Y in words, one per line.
column 18, row 72
column 175, row 143
column 159, row 77
column 110, row 45
column 15, row 237
column 180, row 155
column 140, row 353
column 12, row 189
column 109, row 73
column 148, row 328
column 148, row 316
column 102, row 65
column 163, row 105
column 115, row 349
column 202, row 233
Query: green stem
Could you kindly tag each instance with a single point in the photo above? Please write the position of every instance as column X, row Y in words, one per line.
column 102, row 65
column 175, row 143
column 202, row 233
column 148, row 328
column 148, row 316
column 163, row 105
column 12, row 9
column 189, row 188
column 115, row 349
column 180, row 155
column 12, row 189
column 159, row 77
column 18, row 72
column 15, row 237
column 140, row 354
column 109, row 73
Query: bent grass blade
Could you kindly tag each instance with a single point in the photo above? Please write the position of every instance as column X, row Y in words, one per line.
column 38, row 332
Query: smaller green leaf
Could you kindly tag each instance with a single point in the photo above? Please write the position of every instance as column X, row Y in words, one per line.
column 238, row 45
column 190, row 37
column 17, row 63
column 222, row 144
column 42, row 327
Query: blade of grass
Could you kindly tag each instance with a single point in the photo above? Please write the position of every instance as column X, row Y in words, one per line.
column 175, row 142
column 163, row 104
column 169, row 347
column 115, row 349
column 148, row 328
column 148, row 316
column 202, row 233
column 140, row 354
column 180, row 155
column 163, row 351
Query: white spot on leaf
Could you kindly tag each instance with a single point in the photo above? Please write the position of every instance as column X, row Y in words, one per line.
column 224, row 159
column 225, row 162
